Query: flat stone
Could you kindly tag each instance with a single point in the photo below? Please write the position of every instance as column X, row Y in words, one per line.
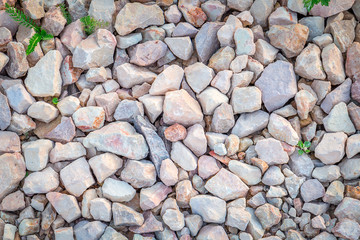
column 282, row 130
column 348, row 208
column 221, row 60
column 153, row 196
column 181, row 47
column 246, row 99
column 275, row 94
column 100, row 209
column 333, row 8
column 249, row 123
column 249, row 174
column 44, row 181
column 338, row 120
column 72, row 34
column 129, row 75
column 265, row 52
column 69, row 151
column 13, row 202
column 65, row 205
column 223, row 118
column 327, row 173
column 89, row 118
column 139, row 173
column 147, row 53
column 333, row 64
column 308, row 63
column 336, row 153
column 192, row 14
column 282, row 16
column 212, row 231
column 21, row 124
column 181, row 155
column 36, row 154
column 210, row 99
column 184, row 29
column 50, row 83
column 211, row 209
column 352, row 61
column 18, row 64
column 5, row 113
column 353, row 145
column 137, row 15
column 339, row 94
column 29, row 226
column 261, row 10
column 268, row 215
column 342, row 228
column 301, row 165
column 343, row 33
column 196, row 140
column 168, row 172
column 19, row 99
column 42, row 111
column 334, row 193
column 273, row 146
column 206, row 41
column 124, row 140
column 198, row 76
column 349, row 168
column 311, row 190
column 81, row 230
column 126, row 216
column 105, row 165
column 170, row 79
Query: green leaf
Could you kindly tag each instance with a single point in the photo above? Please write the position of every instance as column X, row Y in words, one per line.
column 307, row 144
column 300, row 151
column 55, row 100
column 309, row 4
column 301, row 144
column 307, row 150
column 90, row 24
column 45, row 35
column 65, row 13
column 20, row 17
column 34, row 40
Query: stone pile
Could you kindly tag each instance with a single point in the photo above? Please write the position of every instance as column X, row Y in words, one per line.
column 181, row 120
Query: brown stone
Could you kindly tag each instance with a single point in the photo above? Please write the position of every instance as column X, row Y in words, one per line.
column 353, row 192
column 352, row 65
column 62, row 129
column 175, row 132
column 354, row 112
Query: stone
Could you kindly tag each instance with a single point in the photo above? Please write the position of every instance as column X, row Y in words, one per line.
column 181, row 47
column 69, row 151
column 129, row 75
column 111, row 233
column 21, row 124
column 117, row 191
column 181, row 155
column 338, row 120
column 214, row 10
column 339, row 94
column 36, row 154
column 77, row 177
column 184, row 29
column 273, row 176
column 102, row 10
column 174, row 219
column 301, row 165
column 180, row 107
column 268, row 215
column 222, row 81
column 151, row 224
column 337, row 151
column 352, row 61
column 212, row 231
column 152, row 105
column 246, row 99
column 172, row 14
column 237, row 217
column 333, row 8
column 293, row 184
column 64, row 233
column 72, row 34
column 342, row 228
column 354, row 112
column 221, row 59
column 198, row 76
column 29, row 226
column 206, row 41
column 13, row 202
column 82, row 230
column 65, row 205
column 348, row 208
column 321, row 88
column 170, row 79
column 210, row 99
column 96, row 75
column 265, row 53
column 196, row 140
column 34, row 9
column 244, row 41
column 129, row 40
column 261, row 10
column 225, row 34
column 105, row 165
column 168, row 172
column 223, row 118
column 19, row 99
column 353, row 145
column 343, row 33
column 53, row 21
column 349, row 168
column 193, row 14
column 124, row 140
column 211, row 209
column 275, row 94
column 126, row 216
column 296, row 34
column 100, row 209
column 175, row 132
column 18, row 64
column 126, row 110
column 326, row 173
column 333, row 64
column 249, row 174
column 97, row 50
column 6, row 37
column 311, row 190
column 41, row 182
column 334, row 193
column 42, row 111
column 282, row 130
column 139, row 173
column 282, row 16
column 355, row 90
column 137, row 15
column 308, row 63
column 273, row 146
column 238, row 188
column 249, row 123
column 89, row 118
column 153, row 196
column 147, row 53
column 68, row 72
column 315, row 24
column 305, row 102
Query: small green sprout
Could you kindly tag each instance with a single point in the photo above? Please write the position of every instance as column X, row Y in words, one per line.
column 65, row 13
column 90, row 24
column 304, row 147
column 308, row 4
column 55, row 100
column 40, row 34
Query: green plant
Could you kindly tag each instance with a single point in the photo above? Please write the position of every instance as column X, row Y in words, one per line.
column 308, row 4
column 90, row 24
column 40, row 34
column 304, row 147
column 55, row 100
column 65, row 13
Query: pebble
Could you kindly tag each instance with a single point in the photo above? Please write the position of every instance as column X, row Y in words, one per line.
column 65, row 205
column 246, row 99
column 250, row 175
column 36, row 154
column 139, row 173
column 310, row 54
column 337, row 151
column 43, row 181
column 311, row 190
column 278, row 156
column 211, row 209
column 144, row 54
column 198, row 76
column 105, row 165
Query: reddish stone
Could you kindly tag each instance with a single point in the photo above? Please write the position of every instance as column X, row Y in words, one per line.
column 175, row 132
column 355, row 90
column 352, row 65
column 354, row 112
column 69, row 73
column 353, row 192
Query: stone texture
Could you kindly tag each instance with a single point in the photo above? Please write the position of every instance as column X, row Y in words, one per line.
column 249, row 123
column 147, row 53
column 338, row 120
column 41, row 182
column 105, row 165
column 211, row 209
column 139, row 173
column 36, row 154
column 339, row 94
column 333, row 64
column 282, row 130
column 18, row 64
column 308, row 63
column 206, row 42
column 12, row 172
column 273, row 146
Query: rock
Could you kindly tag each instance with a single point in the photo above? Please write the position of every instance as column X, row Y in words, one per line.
column 184, row 29
column 223, row 118
column 354, row 112
column 65, row 205
column 72, row 34
column 69, row 151
column 236, row 187
column 29, row 226
column 81, row 230
column 174, row 219
column 6, row 37
column 117, row 191
column 225, row 34
column 36, row 154
column 181, row 155
column 50, row 83
column 153, row 106
column 42, row 111
column 348, row 208
column 172, row 14
column 211, row 209
column 137, row 15
column 53, row 21
column 301, row 165
column 153, row 196
column 333, row 8
column 96, row 75
column 273, row 146
column 193, row 14
column 244, row 41
column 86, row 56
column 156, row 145
column 13, row 202
column 268, row 215
column 282, row 16
column 102, row 10
column 127, row 110
column 349, row 168
column 249, row 174
column 334, row 193
column 19, row 99
column 275, row 94
column 196, row 140
column 168, row 172
column 206, row 42
column 212, row 231
column 21, row 124
column 170, row 79
column 147, row 53
column 119, row 138
column 126, row 216
column 343, row 33
column 62, row 129
column 214, row 10
column 246, row 99
column 129, row 40
column 44, row 181
column 198, row 76
column 296, row 33
column 180, row 46
column 151, row 224
column 315, row 25
column 17, row 65
column 327, row 173
column 100, row 209
column 341, row 229
column 352, row 61
column 338, row 120
column 261, row 10
column 77, row 177
column 282, row 130
column 34, row 9
column 68, row 72
column 130, row 75
column 175, row 132
column 308, row 63
column 353, row 145
column 210, row 99
column 355, row 90
column 222, row 58
column 89, row 118
column 111, row 233
column 339, row 94
column 105, row 165
column 273, row 176
column 139, row 173
column 305, row 102
column 333, row 64
column 321, row 88
column 222, row 81
column 249, row 123
column 265, row 52
column 293, row 184
column 311, row 190
column 180, row 107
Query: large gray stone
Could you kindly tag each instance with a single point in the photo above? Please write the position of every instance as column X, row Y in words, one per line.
column 249, row 123
column 206, row 41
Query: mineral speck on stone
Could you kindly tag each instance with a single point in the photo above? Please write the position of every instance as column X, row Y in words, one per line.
column 208, row 120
